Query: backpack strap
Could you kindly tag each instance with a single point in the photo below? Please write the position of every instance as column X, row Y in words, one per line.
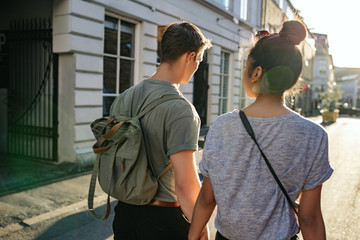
column 113, row 130
column 147, row 109
column 157, row 102
column 92, row 192
column 167, row 168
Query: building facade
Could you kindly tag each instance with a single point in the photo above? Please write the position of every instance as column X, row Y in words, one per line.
column 349, row 81
column 274, row 13
column 63, row 62
column 86, row 53
column 324, row 70
column 303, row 100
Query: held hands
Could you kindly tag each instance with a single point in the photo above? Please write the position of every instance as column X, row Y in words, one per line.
column 205, row 235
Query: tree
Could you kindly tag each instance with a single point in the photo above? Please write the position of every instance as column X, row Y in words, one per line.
column 330, row 98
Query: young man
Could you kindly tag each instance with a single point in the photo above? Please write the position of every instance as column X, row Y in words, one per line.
column 171, row 133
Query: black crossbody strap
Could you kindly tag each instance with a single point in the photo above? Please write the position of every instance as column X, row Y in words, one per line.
column 249, row 129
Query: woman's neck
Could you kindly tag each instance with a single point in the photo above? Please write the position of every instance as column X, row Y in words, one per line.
column 266, row 106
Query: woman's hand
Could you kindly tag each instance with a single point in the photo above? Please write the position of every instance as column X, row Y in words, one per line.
column 204, row 207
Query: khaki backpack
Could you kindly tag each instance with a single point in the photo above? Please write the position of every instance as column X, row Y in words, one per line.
column 123, row 169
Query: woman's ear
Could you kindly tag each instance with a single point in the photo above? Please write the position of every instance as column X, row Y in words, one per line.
column 256, row 74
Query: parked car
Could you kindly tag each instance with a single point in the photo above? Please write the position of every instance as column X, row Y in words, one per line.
column 346, row 109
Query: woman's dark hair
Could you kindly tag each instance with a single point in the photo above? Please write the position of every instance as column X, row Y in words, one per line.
column 180, row 38
column 279, row 57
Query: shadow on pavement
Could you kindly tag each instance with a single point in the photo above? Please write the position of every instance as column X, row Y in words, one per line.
column 80, row 226
column 326, row 124
column 18, row 174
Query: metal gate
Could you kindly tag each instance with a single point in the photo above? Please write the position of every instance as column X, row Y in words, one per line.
column 33, row 91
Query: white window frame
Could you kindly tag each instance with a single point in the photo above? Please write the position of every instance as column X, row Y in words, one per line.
column 118, row 57
column 222, row 76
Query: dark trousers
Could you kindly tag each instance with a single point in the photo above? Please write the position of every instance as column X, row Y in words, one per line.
column 221, row 237
column 132, row 222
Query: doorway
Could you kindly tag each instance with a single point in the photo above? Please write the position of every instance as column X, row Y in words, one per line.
column 201, row 87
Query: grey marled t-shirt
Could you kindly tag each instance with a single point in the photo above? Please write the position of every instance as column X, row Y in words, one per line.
column 250, row 203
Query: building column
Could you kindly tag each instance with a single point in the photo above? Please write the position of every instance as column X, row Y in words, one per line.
column 78, row 29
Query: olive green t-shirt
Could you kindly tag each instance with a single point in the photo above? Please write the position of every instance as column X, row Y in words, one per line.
column 171, row 127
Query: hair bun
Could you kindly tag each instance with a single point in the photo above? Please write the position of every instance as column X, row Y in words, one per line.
column 293, row 31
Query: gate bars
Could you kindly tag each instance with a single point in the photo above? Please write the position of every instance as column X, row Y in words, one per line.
column 33, row 91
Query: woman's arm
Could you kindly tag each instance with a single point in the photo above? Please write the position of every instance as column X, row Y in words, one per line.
column 310, row 217
column 204, row 207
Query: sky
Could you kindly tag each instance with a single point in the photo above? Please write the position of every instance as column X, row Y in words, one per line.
column 340, row 20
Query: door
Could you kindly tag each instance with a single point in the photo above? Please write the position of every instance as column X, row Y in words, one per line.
column 201, row 88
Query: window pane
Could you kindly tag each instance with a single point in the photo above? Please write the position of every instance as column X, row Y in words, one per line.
column 127, row 39
column 281, row 4
column 243, row 9
column 219, row 108
column 225, row 86
column 221, row 63
column 107, row 101
column 109, row 75
column 110, row 39
column 226, row 63
column 126, row 74
column 224, row 106
column 227, row 4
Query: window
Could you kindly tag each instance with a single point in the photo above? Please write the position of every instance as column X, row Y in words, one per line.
column 119, row 39
column 244, row 9
column 227, row 4
column 242, row 98
column 224, row 81
column 281, row 4
column 322, row 67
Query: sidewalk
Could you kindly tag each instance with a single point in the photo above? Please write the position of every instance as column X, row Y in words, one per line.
column 58, row 199
column 30, row 207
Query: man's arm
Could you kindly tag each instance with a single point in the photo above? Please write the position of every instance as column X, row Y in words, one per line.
column 187, row 184
column 310, row 217
column 204, row 207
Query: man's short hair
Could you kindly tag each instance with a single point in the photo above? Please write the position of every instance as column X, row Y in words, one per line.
column 180, row 38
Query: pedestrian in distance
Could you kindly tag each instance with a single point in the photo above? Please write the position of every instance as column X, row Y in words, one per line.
column 250, row 202
column 171, row 132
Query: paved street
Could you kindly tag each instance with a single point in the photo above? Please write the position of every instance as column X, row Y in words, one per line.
column 341, row 194
column 59, row 210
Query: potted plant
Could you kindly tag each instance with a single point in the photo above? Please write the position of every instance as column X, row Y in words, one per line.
column 329, row 104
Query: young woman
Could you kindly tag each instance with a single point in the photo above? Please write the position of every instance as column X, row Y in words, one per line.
column 250, row 204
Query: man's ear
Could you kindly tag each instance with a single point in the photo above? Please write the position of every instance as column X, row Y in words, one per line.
column 256, row 74
column 190, row 55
